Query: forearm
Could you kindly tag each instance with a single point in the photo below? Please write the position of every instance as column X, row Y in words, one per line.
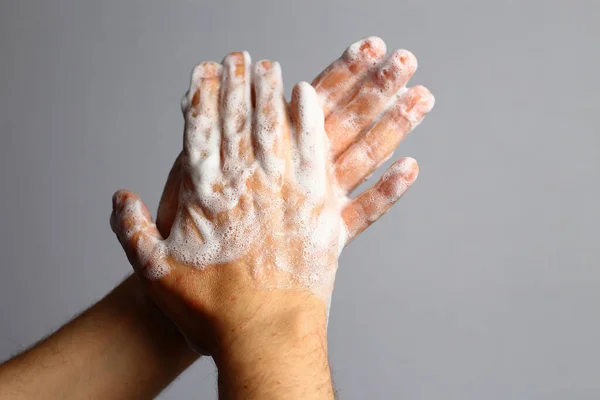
column 286, row 359
column 120, row 348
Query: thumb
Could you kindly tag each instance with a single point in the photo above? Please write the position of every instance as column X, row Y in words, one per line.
column 132, row 223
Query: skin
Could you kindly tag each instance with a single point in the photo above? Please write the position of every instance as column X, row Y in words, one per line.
column 123, row 347
column 286, row 219
column 133, row 351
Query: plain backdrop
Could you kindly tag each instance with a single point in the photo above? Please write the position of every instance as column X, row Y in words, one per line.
column 482, row 283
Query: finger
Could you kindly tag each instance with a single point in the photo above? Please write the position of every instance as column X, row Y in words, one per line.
column 167, row 207
column 271, row 119
column 236, row 113
column 377, row 200
column 311, row 144
column 132, row 223
column 201, row 111
column 376, row 145
column 335, row 83
column 375, row 93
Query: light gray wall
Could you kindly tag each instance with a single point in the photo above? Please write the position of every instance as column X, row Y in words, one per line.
column 483, row 283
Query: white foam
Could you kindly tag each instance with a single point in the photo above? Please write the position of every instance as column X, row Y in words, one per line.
column 232, row 203
column 305, row 227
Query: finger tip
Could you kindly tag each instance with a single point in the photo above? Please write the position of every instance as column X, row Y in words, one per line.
column 206, row 69
column 426, row 100
column 414, row 103
column 263, row 66
column 404, row 59
column 237, row 58
column 123, row 199
column 410, row 168
column 118, row 197
column 376, row 43
column 405, row 168
column 267, row 68
column 302, row 89
column 304, row 85
column 371, row 48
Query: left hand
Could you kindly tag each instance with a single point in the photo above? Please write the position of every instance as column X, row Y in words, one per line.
column 346, row 89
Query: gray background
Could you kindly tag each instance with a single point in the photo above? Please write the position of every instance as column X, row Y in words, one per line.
column 482, row 283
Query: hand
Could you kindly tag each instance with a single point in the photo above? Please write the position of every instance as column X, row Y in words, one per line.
column 269, row 328
column 222, row 219
column 257, row 208
column 343, row 88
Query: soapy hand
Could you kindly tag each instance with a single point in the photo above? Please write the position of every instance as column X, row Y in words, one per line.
column 353, row 110
column 261, row 211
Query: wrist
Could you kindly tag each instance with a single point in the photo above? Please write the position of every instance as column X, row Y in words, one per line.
column 285, row 317
column 284, row 354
